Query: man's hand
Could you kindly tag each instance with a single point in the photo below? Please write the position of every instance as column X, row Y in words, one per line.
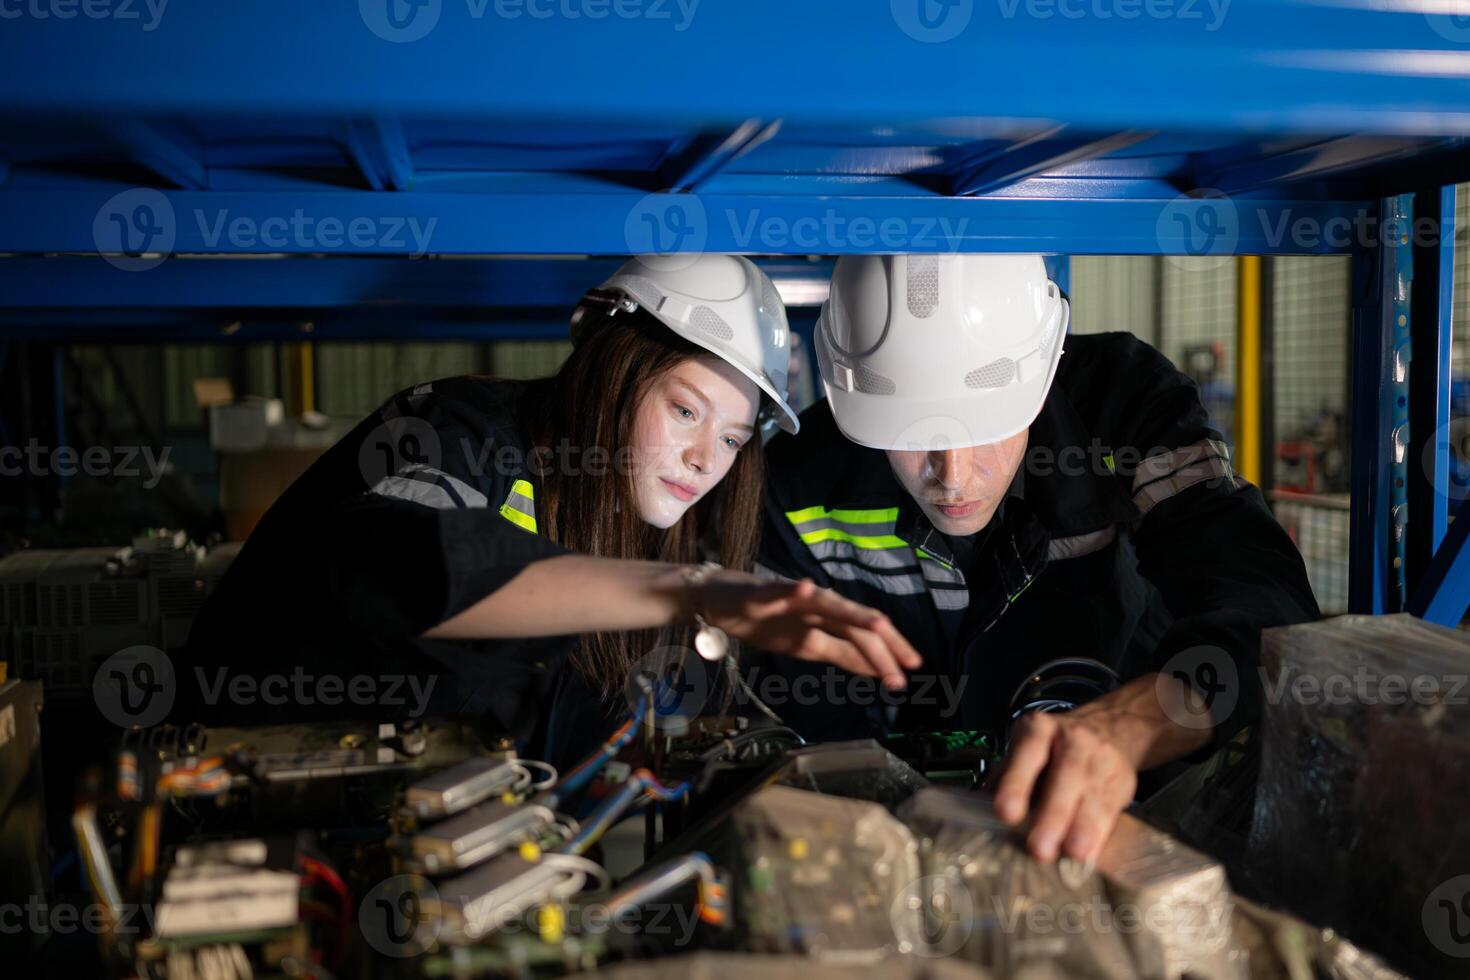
column 1087, row 763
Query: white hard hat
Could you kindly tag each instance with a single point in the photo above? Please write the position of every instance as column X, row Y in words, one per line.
column 723, row 303
column 929, row 351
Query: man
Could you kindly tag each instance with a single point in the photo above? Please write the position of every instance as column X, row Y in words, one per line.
column 1037, row 526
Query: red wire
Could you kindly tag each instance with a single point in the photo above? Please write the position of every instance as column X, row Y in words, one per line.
column 320, row 871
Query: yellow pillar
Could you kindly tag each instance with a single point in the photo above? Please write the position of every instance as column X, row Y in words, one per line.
column 300, row 377
column 1248, row 455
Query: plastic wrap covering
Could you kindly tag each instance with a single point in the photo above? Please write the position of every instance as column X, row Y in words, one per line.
column 822, row 875
column 1365, row 770
column 860, row 769
column 1151, row 908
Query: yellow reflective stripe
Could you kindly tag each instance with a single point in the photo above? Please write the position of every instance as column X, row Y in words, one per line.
column 932, row 557
column 858, row 541
column 525, row 519
column 846, row 516
column 518, row 519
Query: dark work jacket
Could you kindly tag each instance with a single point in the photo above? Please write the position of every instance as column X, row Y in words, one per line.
column 424, row 508
column 1127, row 538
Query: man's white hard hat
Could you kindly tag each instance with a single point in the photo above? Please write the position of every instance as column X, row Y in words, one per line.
column 921, row 352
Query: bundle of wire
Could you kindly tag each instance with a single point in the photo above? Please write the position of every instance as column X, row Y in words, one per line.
column 641, row 786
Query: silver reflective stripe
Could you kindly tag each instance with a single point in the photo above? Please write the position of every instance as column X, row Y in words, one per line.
column 417, row 491
column 403, row 486
column 938, row 573
column 950, row 598
column 521, row 502
column 1161, row 477
column 768, row 574
column 1081, row 544
column 851, row 527
column 884, row 559
column 890, row 584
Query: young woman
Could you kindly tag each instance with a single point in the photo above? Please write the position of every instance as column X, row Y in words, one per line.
column 509, row 550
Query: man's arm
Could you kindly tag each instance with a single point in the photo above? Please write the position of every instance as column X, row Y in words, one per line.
column 1226, row 570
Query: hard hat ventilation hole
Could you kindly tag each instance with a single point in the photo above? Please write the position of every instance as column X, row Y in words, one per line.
column 996, row 374
column 710, row 322
column 923, row 285
column 872, row 383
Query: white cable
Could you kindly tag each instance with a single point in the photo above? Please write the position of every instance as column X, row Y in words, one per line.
column 548, row 768
column 582, row 867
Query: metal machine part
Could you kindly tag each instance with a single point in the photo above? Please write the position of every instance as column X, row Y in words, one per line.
column 474, row 835
column 493, row 895
column 461, row 786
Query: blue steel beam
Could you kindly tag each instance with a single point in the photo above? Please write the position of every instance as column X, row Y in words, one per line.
column 380, row 152
column 1321, row 159
column 1432, row 316
column 608, row 223
column 79, row 284
column 1369, row 535
column 1443, row 594
column 1303, row 65
column 709, row 153
column 162, row 149
column 1038, row 155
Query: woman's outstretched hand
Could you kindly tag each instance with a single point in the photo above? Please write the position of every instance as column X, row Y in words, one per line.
column 802, row 620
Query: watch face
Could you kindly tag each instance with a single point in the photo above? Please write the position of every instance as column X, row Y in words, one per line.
column 712, row 644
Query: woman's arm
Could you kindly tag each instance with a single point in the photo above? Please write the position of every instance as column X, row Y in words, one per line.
column 578, row 594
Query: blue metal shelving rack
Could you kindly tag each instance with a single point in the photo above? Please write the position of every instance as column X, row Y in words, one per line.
column 227, row 171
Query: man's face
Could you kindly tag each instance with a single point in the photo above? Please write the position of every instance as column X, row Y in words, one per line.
column 959, row 489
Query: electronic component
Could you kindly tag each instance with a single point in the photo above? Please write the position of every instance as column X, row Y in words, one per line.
column 498, row 892
column 462, row 786
column 472, row 836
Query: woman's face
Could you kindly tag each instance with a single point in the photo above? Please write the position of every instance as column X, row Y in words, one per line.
column 688, row 429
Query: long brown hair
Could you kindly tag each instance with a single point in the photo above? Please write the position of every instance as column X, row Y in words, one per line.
column 590, row 403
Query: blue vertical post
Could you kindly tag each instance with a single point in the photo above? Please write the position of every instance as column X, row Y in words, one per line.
column 1369, row 539
column 1059, row 267
column 1431, row 316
